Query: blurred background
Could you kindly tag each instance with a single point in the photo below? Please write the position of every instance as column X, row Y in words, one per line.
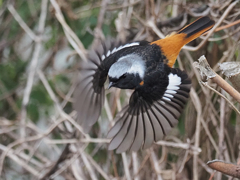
column 41, row 45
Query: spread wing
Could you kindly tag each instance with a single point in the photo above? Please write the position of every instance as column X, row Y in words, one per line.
column 89, row 93
column 147, row 119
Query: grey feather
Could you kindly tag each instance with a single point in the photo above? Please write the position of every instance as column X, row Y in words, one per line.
column 139, row 135
column 127, row 142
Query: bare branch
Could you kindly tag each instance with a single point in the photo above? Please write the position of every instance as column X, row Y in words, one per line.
column 226, row 168
column 72, row 37
column 33, row 68
column 206, row 70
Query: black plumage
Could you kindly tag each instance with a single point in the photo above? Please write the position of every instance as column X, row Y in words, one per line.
column 160, row 91
column 148, row 117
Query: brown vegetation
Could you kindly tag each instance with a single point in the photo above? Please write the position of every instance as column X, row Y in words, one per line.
column 41, row 44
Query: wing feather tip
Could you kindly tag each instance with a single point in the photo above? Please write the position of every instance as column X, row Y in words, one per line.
column 111, row 147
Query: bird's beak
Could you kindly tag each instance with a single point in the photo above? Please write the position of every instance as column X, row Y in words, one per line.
column 110, row 85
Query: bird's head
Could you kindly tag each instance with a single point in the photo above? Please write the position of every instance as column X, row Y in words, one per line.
column 127, row 73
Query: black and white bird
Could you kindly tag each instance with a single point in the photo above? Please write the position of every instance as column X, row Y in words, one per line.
column 160, row 91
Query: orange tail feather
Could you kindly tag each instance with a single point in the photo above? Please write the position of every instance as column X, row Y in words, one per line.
column 171, row 45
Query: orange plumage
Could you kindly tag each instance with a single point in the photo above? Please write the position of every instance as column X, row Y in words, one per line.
column 171, row 45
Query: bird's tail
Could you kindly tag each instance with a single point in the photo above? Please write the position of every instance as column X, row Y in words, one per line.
column 171, row 45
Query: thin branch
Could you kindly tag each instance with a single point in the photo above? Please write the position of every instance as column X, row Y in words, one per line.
column 206, row 70
column 155, row 29
column 226, row 168
column 72, row 37
column 98, row 168
column 226, row 26
column 227, row 87
column 68, row 163
column 135, row 166
column 20, row 21
column 213, row 29
column 57, row 104
column 198, row 107
column 15, row 158
column 155, row 164
column 180, row 145
column 229, row 102
column 33, row 68
column 125, row 165
column 88, row 166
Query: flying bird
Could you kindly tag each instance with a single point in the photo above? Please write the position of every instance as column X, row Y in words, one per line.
column 160, row 91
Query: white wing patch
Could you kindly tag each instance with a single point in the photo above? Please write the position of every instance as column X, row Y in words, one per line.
column 108, row 53
column 119, row 48
column 165, row 98
column 174, row 79
column 170, row 91
column 168, row 95
column 114, row 50
column 103, row 56
column 174, row 82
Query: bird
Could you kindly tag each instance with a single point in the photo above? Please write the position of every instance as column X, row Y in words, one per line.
column 160, row 91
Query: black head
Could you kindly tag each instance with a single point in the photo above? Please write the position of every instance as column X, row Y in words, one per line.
column 126, row 81
column 127, row 72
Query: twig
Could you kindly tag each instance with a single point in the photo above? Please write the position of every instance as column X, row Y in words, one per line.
column 57, row 104
column 108, row 111
column 226, row 168
column 68, row 163
column 184, row 160
column 33, row 68
column 77, row 170
column 15, row 158
column 54, row 167
column 234, row 108
column 62, row 141
column 198, row 108
column 113, row 8
column 20, row 21
column 206, row 70
column 213, row 29
column 180, row 145
column 227, row 87
column 26, row 157
column 231, row 34
column 125, row 165
column 9, row 98
column 144, row 161
column 155, row 29
column 98, row 168
column 139, row 18
column 114, row 165
column 232, row 71
column 129, row 14
column 221, row 133
column 152, row 25
column 88, row 166
column 203, row 164
column 98, row 29
column 28, row 139
column 135, row 166
column 124, row 157
column 225, row 26
column 72, row 37
column 155, row 164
